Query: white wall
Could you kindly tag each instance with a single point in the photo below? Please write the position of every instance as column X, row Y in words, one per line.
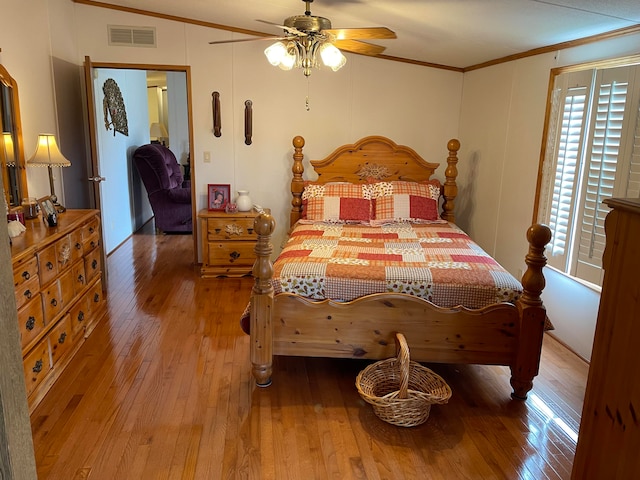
column 501, row 128
column 411, row 104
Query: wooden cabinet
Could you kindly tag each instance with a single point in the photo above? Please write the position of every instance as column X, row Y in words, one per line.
column 58, row 288
column 227, row 241
column 609, row 439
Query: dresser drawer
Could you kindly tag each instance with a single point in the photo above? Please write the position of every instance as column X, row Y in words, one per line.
column 79, row 277
column 233, row 254
column 60, row 340
column 63, row 253
column 79, row 316
column 47, row 268
column 27, row 291
column 25, row 270
column 30, row 321
column 37, row 365
column 91, row 235
column 92, row 264
column 231, row 228
column 51, row 301
column 96, row 303
column 75, row 241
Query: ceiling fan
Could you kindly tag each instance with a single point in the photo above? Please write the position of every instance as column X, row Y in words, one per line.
column 308, row 36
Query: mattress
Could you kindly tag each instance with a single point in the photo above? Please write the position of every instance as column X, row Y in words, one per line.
column 434, row 261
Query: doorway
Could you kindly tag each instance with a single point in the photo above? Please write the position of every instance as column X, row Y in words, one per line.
column 151, row 94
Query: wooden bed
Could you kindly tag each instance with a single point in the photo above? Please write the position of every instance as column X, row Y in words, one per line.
column 507, row 334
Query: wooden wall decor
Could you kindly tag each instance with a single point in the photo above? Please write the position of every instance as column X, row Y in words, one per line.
column 217, row 123
column 248, row 118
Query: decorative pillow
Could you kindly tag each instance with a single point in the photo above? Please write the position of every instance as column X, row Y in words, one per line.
column 336, row 202
column 405, row 201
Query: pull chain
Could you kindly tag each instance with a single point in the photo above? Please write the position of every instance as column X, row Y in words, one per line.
column 306, row 104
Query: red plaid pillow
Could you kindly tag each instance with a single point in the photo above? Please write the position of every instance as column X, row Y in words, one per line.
column 336, row 201
column 405, row 201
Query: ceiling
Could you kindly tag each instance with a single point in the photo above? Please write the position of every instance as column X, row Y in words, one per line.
column 453, row 33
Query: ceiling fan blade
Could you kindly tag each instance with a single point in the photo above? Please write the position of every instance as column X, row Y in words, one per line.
column 361, row 33
column 291, row 30
column 273, row 39
column 357, row 46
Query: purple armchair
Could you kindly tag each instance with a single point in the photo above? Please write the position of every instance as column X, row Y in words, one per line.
column 169, row 194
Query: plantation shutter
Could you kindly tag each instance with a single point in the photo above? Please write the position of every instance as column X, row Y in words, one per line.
column 604, row 167
column 592, row 153
column 564, row 151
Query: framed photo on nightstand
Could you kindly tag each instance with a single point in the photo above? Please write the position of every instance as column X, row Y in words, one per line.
column 218, row 195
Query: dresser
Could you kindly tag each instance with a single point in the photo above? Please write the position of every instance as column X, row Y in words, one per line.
column 227, row 241
column 59, row 293
column 609, row 438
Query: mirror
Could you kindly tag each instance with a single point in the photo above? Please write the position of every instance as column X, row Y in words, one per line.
column 12, row 160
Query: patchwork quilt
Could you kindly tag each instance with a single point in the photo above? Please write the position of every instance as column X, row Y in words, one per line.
column 435, row 261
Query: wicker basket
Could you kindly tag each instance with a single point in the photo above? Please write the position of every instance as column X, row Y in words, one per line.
column 400, row 390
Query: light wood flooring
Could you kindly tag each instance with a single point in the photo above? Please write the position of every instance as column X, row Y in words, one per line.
column 162, row 390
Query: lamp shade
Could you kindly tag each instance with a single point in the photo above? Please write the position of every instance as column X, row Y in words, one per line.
column 47, row 153
column 158, row 130
column 9, row 152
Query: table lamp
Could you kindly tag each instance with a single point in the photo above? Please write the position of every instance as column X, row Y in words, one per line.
column 48, row 155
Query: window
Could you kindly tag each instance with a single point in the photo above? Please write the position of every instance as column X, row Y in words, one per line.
column 592, row 153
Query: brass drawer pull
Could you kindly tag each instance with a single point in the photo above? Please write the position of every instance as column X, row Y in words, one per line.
column 31, row 323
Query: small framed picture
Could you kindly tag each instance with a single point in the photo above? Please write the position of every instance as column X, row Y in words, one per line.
column 48, row 209
column 218, row 196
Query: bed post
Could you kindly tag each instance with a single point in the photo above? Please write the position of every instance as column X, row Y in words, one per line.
column 297, row 183
column 450, row 188
column 262, row 302
column 532, row 313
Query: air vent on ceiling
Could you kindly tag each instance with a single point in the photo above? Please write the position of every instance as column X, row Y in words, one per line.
column 132, row 36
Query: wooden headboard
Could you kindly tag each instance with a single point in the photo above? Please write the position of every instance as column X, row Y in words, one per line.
column 376, row 158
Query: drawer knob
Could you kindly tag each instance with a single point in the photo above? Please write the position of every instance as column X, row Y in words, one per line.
column 54, row 302
column 81, row 279
column 250, row 230
column 91, row 230
column 78, row 246
column 26, row 275
column 94, row 264
column 80, row 316
column 96, row 298
column 49, row 266
column 234, row 256
column 62, row 337
column 28, row 294
column 37, row 368
column 31, row 323
column 217, row 231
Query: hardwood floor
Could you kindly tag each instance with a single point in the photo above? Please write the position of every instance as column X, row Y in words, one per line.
column 162, row 390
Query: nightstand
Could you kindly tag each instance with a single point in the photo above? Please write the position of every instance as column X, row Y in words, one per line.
column 227, row 241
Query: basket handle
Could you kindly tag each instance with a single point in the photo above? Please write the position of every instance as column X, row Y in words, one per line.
column 402, row 352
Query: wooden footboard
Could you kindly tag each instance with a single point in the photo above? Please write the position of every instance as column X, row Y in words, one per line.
column 501, row 334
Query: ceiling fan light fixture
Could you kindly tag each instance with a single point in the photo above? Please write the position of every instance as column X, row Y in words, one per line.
column 332, row 57
column 275, row 53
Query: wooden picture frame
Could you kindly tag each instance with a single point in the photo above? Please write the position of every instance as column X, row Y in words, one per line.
column 218, row 196
column 48, row 211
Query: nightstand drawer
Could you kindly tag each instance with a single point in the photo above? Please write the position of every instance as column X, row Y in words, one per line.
column 231, row 254
column 230, row 228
